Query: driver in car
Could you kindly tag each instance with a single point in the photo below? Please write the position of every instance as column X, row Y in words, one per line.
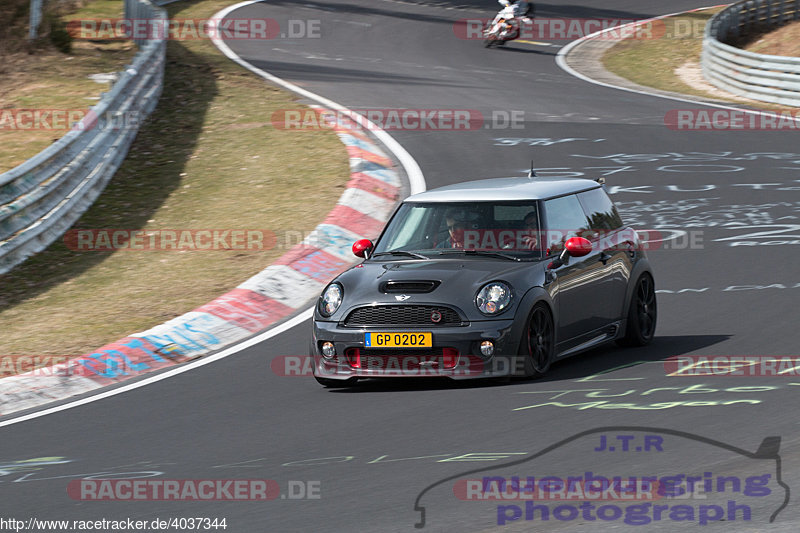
column 455, row 230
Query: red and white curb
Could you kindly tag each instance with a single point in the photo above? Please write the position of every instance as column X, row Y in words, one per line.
column 281, row 289
column 271, row 295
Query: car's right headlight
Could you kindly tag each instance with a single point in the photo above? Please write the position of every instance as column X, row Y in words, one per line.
column 493, row 298
column 331, row 299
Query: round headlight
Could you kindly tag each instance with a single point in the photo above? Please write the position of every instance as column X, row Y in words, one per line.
column 493, row 298
column 331, row 299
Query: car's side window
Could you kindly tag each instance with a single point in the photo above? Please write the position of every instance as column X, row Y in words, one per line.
column 565, row 218
column 600, row 211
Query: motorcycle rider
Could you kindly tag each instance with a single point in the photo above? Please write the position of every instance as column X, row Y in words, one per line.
column 520, row 9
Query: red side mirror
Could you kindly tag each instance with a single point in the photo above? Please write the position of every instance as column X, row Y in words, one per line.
column 362, row 247
column 578, row 246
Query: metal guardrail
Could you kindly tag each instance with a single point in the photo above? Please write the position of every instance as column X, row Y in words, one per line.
column 44, row 196
column 766, row 78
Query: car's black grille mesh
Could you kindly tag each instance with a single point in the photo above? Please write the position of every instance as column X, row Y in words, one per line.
column 403, row 315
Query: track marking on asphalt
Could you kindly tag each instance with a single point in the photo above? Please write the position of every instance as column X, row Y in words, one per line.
column 413, row 172
column 538, row 43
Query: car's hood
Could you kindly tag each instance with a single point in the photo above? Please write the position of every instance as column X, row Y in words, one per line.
column 456, row 280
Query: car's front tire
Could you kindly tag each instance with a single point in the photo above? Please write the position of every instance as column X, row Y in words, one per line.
column 538, row 342
column 642, row 314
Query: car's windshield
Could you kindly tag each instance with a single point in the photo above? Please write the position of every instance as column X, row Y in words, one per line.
column 475, row 229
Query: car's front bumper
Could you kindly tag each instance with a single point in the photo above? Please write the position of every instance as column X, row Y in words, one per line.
column 455, row 353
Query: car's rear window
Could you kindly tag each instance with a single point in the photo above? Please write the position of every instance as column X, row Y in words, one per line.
column 600, row 210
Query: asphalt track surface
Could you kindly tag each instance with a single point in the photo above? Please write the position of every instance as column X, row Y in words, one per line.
column 374, row 450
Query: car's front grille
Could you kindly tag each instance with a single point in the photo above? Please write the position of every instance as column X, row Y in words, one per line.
column 428, row 316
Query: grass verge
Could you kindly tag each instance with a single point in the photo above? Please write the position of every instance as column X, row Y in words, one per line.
column 653, row 62
column 208, row 158
column 784, row 41
column 672, row 63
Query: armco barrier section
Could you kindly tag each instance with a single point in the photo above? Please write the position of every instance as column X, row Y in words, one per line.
column 43, row 197
column 766, row 78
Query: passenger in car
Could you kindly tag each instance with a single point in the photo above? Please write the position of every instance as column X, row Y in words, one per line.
column 531, row 228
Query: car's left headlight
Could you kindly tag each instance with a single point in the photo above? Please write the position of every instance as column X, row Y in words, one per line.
column 493, row 298
column 331, row 299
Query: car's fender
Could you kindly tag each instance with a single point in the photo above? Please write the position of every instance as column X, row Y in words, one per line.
column 530, row 299
column 640, row 267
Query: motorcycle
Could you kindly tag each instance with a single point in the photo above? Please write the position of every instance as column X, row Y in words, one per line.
column 506, row 25
column 501, row 32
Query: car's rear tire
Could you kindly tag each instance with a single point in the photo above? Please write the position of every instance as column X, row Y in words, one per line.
column 538, row 342
column 336, row 383
column 642, row 314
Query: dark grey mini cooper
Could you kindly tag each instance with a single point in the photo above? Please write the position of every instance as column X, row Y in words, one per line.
column 486, row 278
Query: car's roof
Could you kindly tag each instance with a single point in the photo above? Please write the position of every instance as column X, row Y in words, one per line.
column 505, row 189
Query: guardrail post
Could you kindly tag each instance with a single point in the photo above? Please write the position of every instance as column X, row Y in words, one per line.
column 35, row 19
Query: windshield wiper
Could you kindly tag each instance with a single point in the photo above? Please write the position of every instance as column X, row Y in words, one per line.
column 402, row 253
column 479, row 252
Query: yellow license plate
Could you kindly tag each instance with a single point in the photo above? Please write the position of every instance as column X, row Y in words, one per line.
column 398, row 340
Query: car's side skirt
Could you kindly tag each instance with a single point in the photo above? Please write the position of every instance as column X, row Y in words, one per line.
column 595, row 338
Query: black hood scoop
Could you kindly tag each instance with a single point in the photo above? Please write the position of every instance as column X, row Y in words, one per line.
column 408, row 286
